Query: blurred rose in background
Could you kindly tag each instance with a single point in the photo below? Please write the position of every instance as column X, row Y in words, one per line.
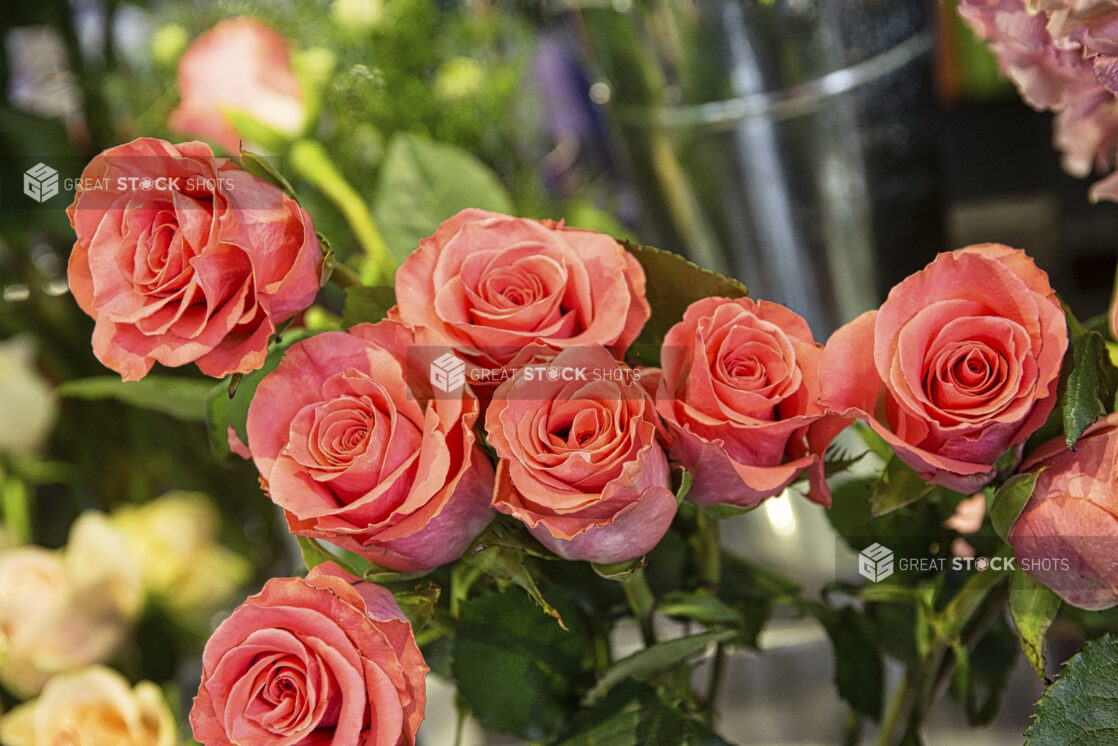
column 241, row 68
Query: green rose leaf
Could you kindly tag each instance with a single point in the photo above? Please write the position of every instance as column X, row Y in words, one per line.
column 1033, row 607
column 859, row 674
column 1090, row 386
column 423, row 182
column 700, row 607
column 509, row 565
column 1010, row 501
column 899, row 486
column 227, row 406
column 516, row 669
column 1082, row 705
column 418, row 604
column 366, row 304
column 258, row 166
column 181, row 398
column 654, row 659
column 672, row 284
column 634, row 715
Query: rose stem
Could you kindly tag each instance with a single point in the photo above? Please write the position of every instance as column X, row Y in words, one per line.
column 641, row 600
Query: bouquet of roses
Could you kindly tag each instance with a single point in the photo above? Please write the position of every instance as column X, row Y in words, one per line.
column 531, row 437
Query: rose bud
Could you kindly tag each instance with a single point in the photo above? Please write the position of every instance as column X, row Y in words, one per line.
column 959, row 364
column 739, row 394
column 352, row 443
column 241, row 65
column 324, row 659
column 183, row 257
column 1067, row 535
column 489, row 285
column 580, row 462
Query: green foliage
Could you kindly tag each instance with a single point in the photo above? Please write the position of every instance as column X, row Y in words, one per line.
column 898, row 486
column 654, row 659
column 1010, row 500
column 1090, row 387
column 181, row 398
column 982, row 673
column 259, row 166
column 1034, row 608
column 859, row 674
column 227, row 403
column 419, row 603
column 366, row 304
column 672, row 284
column 635, row 714
column 500, row 553
column 518, row 671
column 316, row 552
column 414, row 194
column 1081, row 707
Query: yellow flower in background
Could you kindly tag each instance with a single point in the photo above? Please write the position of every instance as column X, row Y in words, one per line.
column 174, row 538
column 95, row 706
column 27, row 406
column 64, row 609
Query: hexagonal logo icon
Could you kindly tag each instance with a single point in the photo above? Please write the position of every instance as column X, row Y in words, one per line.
column 40, row 182
column 448, row 373
column 875, row 562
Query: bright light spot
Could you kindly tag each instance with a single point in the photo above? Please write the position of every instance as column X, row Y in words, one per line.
column 779, row 512
column 600, row 92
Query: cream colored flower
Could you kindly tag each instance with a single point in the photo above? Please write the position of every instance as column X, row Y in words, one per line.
column 91, row 707
column 64, row 609
column 27, row 407
column 174, row 538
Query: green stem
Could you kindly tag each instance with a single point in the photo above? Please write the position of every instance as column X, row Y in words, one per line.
column 599, row 635
column 718, row 667
column 17, row 508
column 343, row 277
column 641, row 600
column 973, row 607
column 901, row 701
column 460, row 718
column 707, row 542
column 311, row 161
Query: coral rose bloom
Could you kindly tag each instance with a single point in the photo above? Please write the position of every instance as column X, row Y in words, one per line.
column 960, row 363
column 354, row 446
column 490, row 284
column 580, row 463
column 1067, row 535
column 321, row 660
column 183, row 257
column 740, row 389
column 243, row 65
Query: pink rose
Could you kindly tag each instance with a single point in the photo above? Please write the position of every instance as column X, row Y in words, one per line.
column 1067, row 534
column 353, row 445
column 958, row 365
column 243, row 65
column 489, row 285
column 739, row 395
column 183, row 257
column 1063, row 56
column 321, row 660
column 580, row 463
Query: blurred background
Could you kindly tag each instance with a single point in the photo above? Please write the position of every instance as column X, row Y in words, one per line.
column 818, row 151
